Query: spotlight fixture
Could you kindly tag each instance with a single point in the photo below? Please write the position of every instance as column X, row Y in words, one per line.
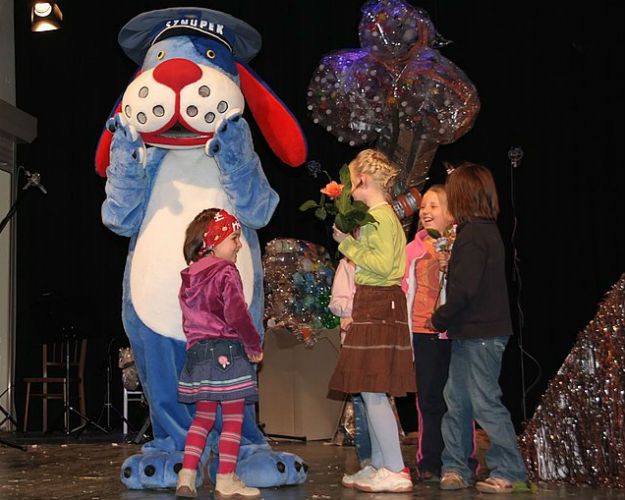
column 45, row 16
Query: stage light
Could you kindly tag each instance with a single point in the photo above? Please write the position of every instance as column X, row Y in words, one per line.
column 45, row 16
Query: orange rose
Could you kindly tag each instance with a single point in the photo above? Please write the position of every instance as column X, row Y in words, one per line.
column 332, row 190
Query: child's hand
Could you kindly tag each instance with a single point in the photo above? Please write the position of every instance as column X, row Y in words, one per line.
column 346, row 323
column 344, row 327
column 443, row 260
column 429, row 325
column 255, row 358
column 338, row 235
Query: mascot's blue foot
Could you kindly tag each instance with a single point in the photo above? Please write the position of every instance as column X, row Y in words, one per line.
column 154, row 470
column 262, row 467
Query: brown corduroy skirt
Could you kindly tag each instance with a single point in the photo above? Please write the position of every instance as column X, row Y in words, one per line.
column 377, row 354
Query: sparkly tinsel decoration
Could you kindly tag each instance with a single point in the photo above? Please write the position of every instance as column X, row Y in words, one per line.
column 298, row 279
column 345, row 432
column 577, row 432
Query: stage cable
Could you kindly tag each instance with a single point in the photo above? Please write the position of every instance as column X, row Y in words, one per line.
column 515, row 154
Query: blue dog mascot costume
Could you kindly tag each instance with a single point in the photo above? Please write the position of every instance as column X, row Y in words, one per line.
column 177, row 144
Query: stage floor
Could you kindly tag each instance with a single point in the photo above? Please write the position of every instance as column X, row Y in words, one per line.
column 70, row 468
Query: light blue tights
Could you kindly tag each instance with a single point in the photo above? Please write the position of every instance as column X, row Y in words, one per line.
column 385, row 448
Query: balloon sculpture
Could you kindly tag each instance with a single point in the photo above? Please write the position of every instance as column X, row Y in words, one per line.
column 398, row 90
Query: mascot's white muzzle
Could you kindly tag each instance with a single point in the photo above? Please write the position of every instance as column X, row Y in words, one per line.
column 180, row 100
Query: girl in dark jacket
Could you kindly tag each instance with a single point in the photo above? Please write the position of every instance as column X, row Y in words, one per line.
column 476, row 317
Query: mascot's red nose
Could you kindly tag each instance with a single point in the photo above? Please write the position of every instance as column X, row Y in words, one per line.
column 177, row 73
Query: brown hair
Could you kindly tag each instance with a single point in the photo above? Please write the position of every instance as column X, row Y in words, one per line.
column 471, row 193
column 378, row 166
column 194, row 236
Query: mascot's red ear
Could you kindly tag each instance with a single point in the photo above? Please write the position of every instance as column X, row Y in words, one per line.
column 102, row 153
column 277, row 124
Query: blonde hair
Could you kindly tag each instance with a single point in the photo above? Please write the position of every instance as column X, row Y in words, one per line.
column 376, row 164
column 440, row 191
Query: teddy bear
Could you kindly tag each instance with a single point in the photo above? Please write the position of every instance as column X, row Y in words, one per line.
column 177, row 143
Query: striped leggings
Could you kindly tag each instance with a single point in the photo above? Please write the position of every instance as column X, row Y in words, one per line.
column 229, row 440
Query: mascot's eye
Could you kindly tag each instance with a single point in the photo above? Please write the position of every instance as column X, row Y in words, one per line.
column 160, row 55
column 210, row 54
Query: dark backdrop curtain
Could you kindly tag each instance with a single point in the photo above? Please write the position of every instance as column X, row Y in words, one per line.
column 550, row 78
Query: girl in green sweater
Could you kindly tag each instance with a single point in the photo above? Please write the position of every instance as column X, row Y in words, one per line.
column 376, row 357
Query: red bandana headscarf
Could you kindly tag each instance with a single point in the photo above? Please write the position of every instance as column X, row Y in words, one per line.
column 218, row 229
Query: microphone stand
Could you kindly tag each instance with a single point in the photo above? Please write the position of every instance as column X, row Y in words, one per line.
column 68, row 408
column 9, row 417
column 33, row 180
column 22, row 194
column 108, row 406
column 515, row 155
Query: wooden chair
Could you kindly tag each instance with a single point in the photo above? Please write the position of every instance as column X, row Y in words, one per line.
column 54, row 383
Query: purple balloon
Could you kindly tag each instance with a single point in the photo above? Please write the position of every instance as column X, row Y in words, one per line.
column 348, row 95
column 354, row 93
column 391, row 29
column 436, row 98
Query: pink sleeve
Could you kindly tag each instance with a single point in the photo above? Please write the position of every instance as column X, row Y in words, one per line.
column 410, row 256
column 343, row 289
column 237, row 315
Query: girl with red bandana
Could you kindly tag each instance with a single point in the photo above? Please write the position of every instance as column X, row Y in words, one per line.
column 222, row 344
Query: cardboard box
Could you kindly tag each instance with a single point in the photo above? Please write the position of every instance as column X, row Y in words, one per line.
column 293, row 386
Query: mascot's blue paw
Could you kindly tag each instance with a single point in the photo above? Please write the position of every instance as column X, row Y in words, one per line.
column 296, row 468
column 153, row 470
column 263, row 468
column 232, row 145
column 127, row 146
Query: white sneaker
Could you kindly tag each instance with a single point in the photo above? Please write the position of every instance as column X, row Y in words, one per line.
column 366, row 472
column 386, row 480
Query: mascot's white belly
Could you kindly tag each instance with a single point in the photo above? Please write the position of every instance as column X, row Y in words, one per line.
column 187, row 183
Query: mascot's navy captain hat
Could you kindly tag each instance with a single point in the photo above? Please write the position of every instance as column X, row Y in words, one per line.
column 141, row 32
column 239, row 42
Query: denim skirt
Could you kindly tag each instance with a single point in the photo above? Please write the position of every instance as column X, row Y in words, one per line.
column 217, row 370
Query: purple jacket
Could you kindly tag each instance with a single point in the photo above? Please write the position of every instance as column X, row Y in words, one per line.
column 213, row 306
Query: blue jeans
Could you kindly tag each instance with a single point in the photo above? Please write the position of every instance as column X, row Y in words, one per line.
column 472, row 392
column 362, row 440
